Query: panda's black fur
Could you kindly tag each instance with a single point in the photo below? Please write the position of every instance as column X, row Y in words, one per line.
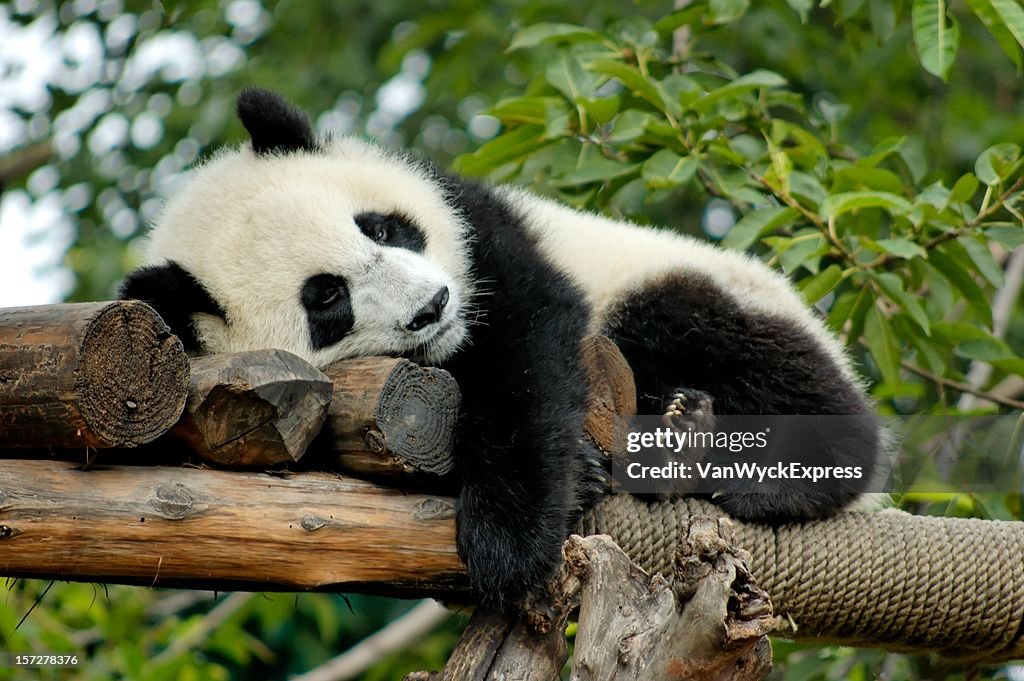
column 526, row 475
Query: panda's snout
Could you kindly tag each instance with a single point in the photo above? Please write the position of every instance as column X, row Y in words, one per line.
column 431, row 312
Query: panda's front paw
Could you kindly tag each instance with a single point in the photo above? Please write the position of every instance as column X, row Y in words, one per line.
column 506, row 567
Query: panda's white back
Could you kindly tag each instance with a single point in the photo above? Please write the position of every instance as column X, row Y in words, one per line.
column 608, row 259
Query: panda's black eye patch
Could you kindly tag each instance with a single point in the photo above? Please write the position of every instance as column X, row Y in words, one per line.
column 328, row 309
column 391, row 229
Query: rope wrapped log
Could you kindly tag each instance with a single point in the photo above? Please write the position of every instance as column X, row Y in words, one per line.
column 879, row 579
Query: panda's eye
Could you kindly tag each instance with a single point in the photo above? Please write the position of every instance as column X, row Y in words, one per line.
column 391, row 229
column 323, row 292
column 328, row 297
column 328, row 309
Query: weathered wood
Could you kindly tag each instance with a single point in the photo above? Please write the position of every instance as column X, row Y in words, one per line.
column 711, row 624
column 497, row 646
column 255, row 408
column 224, row 530
column 88, row 375
column 391, row 417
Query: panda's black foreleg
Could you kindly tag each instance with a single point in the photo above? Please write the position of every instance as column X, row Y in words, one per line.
column 685, row 331
column 523, row 489
column 526, row 477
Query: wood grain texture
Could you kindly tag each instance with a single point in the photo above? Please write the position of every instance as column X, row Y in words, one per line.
column 88, row 375
column 223, row 530
column 256, row 408
column 391, row 417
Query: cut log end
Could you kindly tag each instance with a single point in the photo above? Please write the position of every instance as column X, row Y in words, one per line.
column 416, row 416
column 255, row 408
column 129, row 364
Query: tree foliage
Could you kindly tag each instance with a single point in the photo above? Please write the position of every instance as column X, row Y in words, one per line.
column 869, row 149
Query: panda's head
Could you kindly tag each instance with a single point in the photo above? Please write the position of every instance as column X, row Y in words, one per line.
column 329, row 250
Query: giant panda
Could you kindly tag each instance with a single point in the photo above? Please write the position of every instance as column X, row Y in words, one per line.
column 338, row 248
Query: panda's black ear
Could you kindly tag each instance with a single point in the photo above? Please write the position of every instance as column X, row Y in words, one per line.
column 175, row 294
column 275, row 126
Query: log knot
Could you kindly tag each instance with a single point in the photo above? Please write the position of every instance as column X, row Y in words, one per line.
column 434, row 508
column 174, row 502
column 312, row 523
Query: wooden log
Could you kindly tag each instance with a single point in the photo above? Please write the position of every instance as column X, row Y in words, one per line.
column 223, row 530
column 391, row 417
column 88, row 375
column 711, row 624
column 255, row 408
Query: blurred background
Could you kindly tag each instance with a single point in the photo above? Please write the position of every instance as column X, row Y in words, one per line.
column 106, row 104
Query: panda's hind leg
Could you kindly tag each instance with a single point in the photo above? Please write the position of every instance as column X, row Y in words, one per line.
column 685, row 331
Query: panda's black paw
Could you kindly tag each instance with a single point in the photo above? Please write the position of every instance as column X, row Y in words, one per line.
column 778, row 506
column 689, row 407
column 506, row 567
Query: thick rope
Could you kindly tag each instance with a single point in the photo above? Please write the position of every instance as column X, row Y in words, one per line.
column 889, row 579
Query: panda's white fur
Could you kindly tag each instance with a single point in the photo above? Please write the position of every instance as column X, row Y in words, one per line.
column 281, row 220
column 607, row 257
column 336, row 249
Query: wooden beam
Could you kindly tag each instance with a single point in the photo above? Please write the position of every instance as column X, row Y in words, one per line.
column 162, row 526
column 88, row 375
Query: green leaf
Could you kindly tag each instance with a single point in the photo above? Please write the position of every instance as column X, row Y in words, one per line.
column 962, row 280
column 984, row 349
column 936, row 40
column 837, row 204
column 630, row 125
column 883, row 19
column 956, row 332
column 724, row 11
column 805, row 251
column 1010, row 236
column 964, row 189
column 600, row 109
column 510, row 146
column 756, row 223
column 754, row 80
column 569, row 77
column 668, row 169
column 782, row 168
column 679, row 18
column 533, row 110
column 892, row 287
column 997, row 26
column 901, row 248
column 1013, row 16
column 631, row 77
column 820, row 285
column 802, row 8
column 534, row 35
column 596, row 170
column 977, row 250
column 882, row 151
column 1011, row 366
column 997, row 163
column 865, row 301
column 882, row 345
column 866, row 177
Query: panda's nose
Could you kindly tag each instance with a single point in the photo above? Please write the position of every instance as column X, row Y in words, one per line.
column 431, row 312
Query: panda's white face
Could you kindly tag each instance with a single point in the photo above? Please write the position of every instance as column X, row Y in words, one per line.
column 345, row 252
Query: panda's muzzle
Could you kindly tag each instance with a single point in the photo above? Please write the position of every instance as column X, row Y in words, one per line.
column 431, row 312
